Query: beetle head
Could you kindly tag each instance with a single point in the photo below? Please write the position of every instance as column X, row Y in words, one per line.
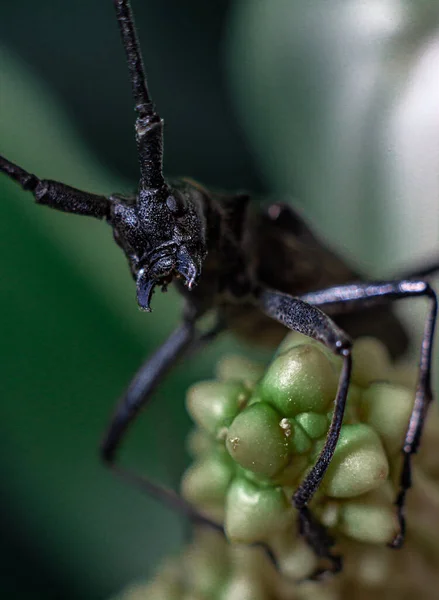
column 163, row 236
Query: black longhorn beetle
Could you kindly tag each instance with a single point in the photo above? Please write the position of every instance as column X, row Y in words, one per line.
column 258, row 270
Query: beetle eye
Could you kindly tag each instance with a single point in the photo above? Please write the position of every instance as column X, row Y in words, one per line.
column 176, row 204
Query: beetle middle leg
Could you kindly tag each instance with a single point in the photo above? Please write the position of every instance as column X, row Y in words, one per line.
column 302, row 315
column 352, row 297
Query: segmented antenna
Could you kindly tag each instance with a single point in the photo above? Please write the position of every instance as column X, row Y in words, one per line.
column 149, row 125
column 55, row 194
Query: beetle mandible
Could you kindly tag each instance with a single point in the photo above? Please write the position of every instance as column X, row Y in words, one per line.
column 258, row 270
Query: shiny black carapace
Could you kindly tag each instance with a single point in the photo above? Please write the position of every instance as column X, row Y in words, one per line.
column 259, row 271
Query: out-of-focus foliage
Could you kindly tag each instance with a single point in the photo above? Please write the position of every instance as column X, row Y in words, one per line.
column 338, row 105
column 339, row 101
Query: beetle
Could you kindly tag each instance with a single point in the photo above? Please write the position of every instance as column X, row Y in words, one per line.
column 259, row 271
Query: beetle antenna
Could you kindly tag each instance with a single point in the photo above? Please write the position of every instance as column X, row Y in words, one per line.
column 149, row 125
column 55, row 194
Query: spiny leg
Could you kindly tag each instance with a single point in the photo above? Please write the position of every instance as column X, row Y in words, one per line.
column 55, row 194
column 354, row 296
column 299, row 316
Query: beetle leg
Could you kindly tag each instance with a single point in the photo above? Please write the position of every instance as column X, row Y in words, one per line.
column 55, row 194
column 300, row 316
column 349, row 297
column 137, row 397
column 143, row 384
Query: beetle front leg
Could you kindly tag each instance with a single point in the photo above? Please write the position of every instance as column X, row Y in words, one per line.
column 137, row 397
column 183, row 340
column 311, row 321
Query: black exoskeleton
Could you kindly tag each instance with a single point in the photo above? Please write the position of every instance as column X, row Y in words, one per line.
column 259, row 271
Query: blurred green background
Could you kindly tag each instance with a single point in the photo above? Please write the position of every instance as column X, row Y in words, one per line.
column 332, row 104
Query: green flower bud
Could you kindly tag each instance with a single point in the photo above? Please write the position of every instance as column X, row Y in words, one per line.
column 259, row 480
column 238, row 368
column 256, row 440
column 205, row 483
column 205, row 566
column 387, row 409
column 375, row 567
column 213, row 405
column 302, row 379
column 295, row 557
column 359, row 463
column 352, row 404
column 299, row 440
column 405, row 375
column 315, row 425
column 243, row 587
column 315, row 590
column 293, row 339
column 254, row 514
column 198, row 442
column 370, row 361
column 368, row 522
column 291, row 476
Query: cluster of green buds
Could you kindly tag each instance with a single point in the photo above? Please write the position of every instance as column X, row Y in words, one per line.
column 258, row 432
